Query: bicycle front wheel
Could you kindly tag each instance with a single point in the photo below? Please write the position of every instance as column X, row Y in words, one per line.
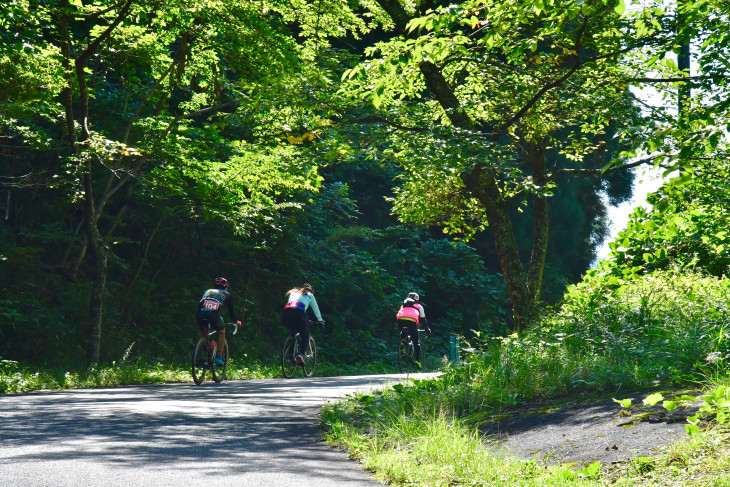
column 219, row 371
column 200, row 359
column 310, row 358
column 288, row 365
column 404, row 359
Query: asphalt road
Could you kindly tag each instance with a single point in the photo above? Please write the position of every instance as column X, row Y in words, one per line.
column 591, row 432
column 238, row 433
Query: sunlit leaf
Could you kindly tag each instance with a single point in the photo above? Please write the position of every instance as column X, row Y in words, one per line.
column 653, row 399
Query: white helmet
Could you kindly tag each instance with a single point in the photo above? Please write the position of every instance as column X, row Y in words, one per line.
column 414, row 296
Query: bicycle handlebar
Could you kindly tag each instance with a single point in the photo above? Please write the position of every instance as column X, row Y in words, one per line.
column 235, row 329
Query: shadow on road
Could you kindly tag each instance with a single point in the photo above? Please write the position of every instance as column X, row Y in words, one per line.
column 234, row 427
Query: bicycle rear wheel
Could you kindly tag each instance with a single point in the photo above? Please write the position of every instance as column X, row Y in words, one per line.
column 219, row 371
column 288, row 365
column 199, row 366
column 310, row 358
column 404, row 358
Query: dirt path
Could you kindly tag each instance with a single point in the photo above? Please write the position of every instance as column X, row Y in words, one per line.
column 581, row 435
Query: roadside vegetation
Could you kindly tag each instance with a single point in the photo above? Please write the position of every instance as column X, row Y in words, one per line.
column 16, row 378
column 657, row 331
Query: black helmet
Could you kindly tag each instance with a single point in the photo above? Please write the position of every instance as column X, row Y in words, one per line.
column 220, row 283
column 307, row 286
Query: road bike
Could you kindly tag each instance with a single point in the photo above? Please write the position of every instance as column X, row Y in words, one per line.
column 293, row 346
column 204, row 357
column 407, row 359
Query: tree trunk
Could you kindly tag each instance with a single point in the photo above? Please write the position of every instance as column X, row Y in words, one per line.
column 541, row 222
column 99, row 266
column 683, row 60
column 482, row 184
column 94, row 241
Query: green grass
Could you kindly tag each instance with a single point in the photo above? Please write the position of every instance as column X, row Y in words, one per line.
column 441, row 452
column 16, row 377
column 703, row 460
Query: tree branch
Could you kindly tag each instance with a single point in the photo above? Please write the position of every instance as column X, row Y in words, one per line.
column 598, row 172
column 671, row 80
column 91, row 48
column 98, row 13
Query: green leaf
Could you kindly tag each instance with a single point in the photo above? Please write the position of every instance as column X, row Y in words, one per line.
column 591, row 470
column 626, row 403
column 670, row 405
column 692, row 429
column 652, row 399
column 685, row 397
column 620, row 7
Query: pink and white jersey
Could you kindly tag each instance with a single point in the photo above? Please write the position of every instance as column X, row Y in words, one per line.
column 411, row 313
column 303, row 301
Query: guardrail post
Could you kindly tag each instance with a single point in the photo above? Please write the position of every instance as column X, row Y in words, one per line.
column 454, row 348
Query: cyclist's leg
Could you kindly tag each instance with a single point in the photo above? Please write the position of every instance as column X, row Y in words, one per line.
column 221, row 339
column 403, row 325
column 413, row 331
column 304, row 331
column 289, row 318
column 203, row 319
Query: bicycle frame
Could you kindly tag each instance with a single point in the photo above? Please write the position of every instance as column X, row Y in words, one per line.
column 204, row 345
column 293, row 346
column 406, row 350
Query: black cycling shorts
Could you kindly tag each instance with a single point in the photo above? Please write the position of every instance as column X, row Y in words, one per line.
column 206, row 316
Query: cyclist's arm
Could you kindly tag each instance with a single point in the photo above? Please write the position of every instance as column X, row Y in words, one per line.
column 315, row 307
column 422, row 315
column 231, row 308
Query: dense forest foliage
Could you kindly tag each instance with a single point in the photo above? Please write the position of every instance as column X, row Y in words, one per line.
column 370, row 148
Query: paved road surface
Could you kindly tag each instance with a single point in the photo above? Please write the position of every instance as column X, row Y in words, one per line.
column 237, row 433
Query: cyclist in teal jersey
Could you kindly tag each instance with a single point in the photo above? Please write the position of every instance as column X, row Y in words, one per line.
column 294, row 315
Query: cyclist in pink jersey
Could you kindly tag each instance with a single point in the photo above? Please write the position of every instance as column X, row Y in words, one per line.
column 409, row 316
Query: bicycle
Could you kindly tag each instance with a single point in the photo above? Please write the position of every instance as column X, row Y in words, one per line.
column 292, row 347
column 207, row 349
column 406, row 351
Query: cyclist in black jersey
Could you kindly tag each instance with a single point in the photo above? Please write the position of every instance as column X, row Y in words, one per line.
column 209, row 312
